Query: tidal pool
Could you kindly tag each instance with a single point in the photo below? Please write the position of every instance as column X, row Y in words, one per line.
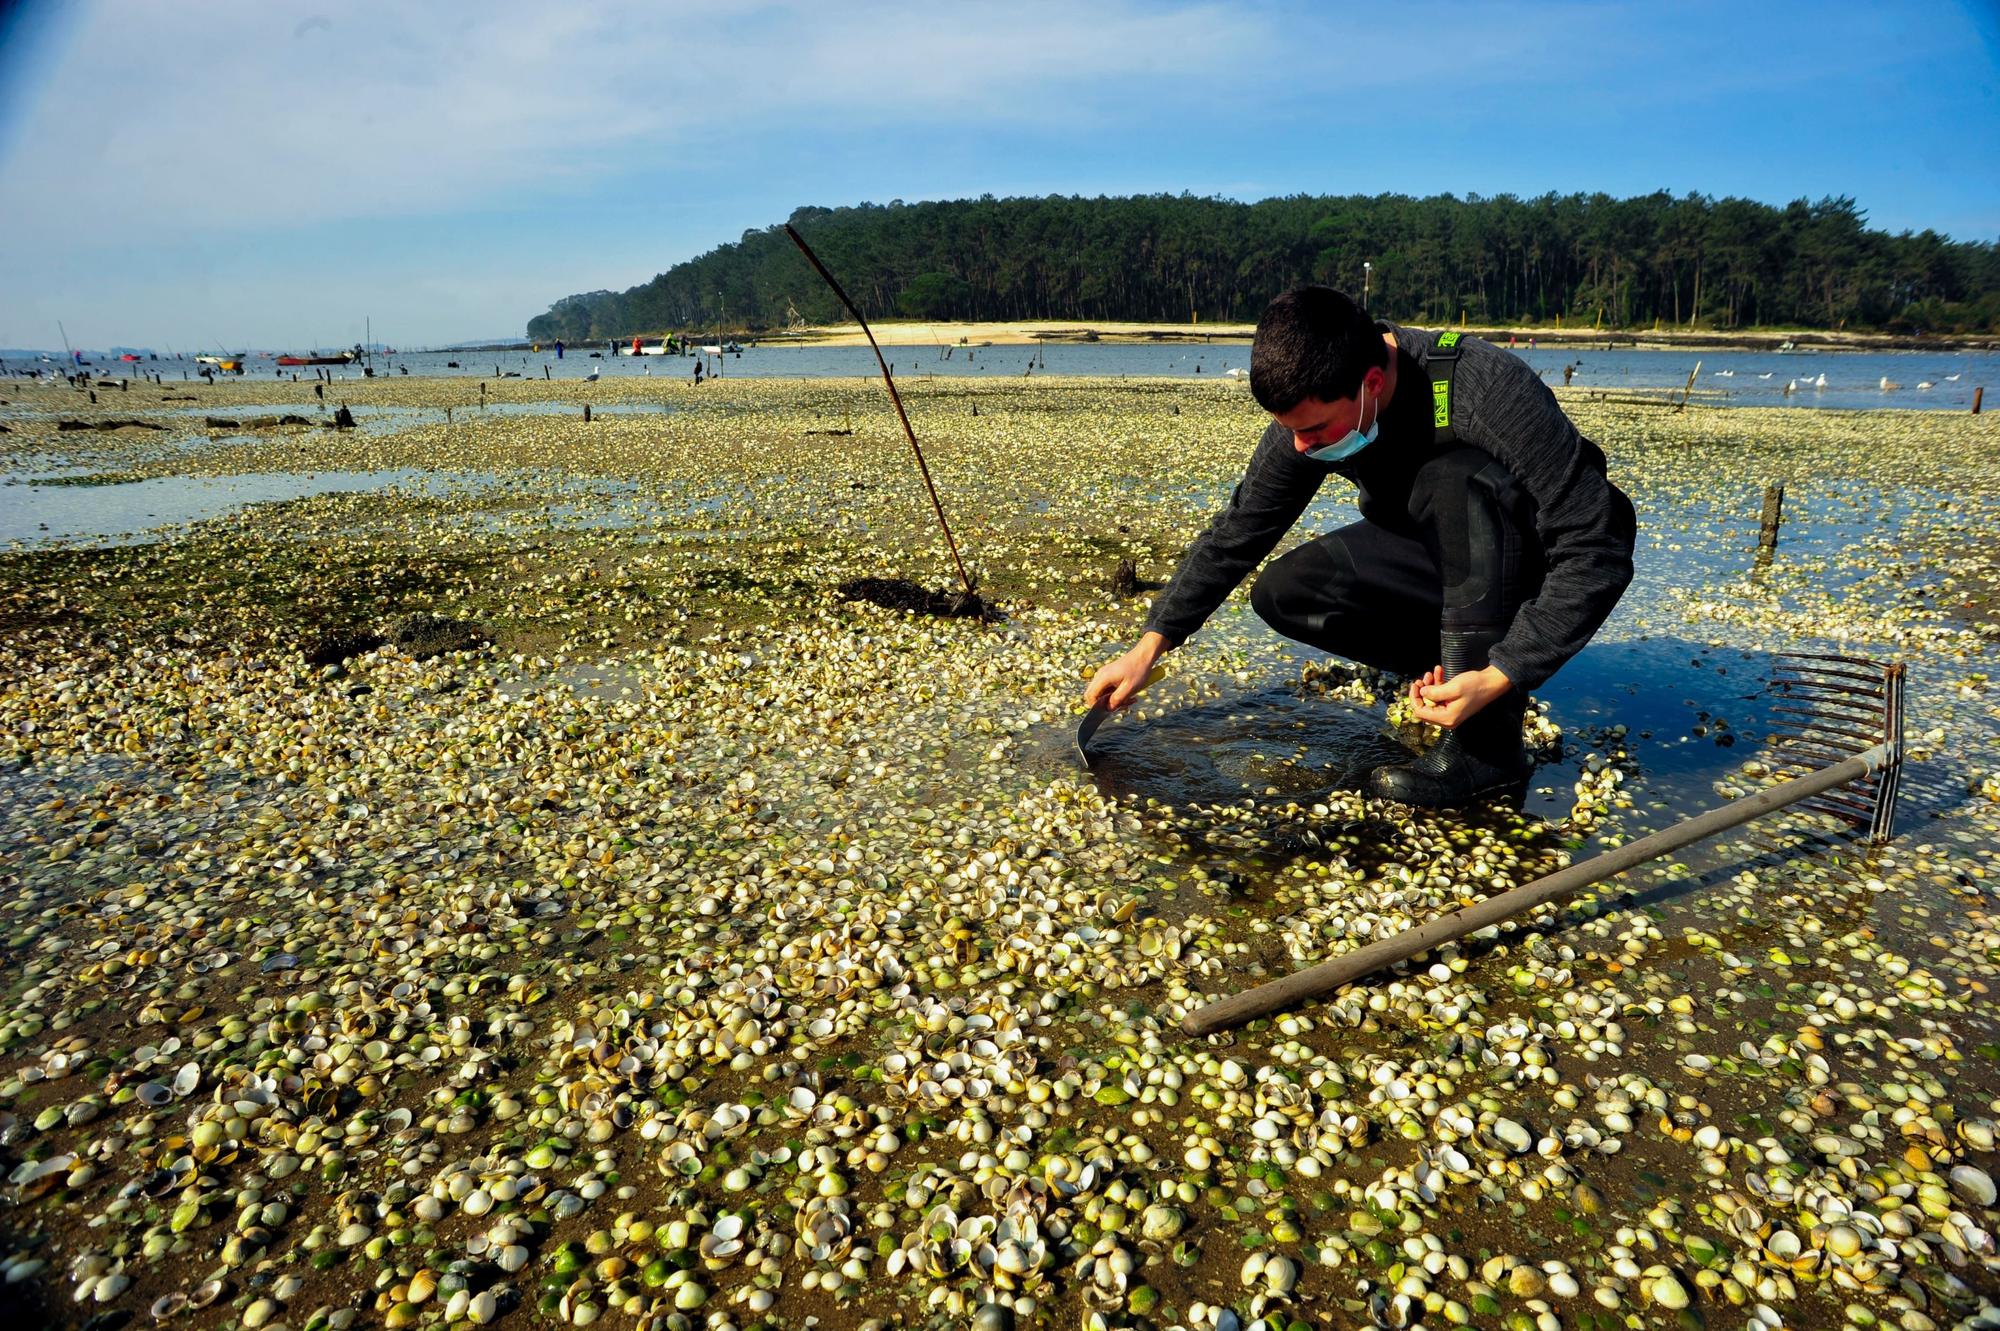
column 74, row 509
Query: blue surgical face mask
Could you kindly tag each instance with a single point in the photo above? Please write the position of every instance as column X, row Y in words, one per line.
column 1349, row 444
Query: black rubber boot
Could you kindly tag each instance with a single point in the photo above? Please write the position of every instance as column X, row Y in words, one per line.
column 1482, row 757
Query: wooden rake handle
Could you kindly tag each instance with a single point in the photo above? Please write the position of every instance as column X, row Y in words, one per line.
column 1345, row 969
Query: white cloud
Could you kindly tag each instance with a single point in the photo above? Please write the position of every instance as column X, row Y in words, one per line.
column 237, row 117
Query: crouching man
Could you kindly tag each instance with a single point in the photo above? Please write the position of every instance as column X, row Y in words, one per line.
column 1491, row 546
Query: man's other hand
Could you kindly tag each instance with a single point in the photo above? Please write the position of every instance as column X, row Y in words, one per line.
column 1452, row 702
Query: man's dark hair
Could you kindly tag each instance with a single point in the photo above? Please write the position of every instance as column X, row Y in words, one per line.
column 1312, row 342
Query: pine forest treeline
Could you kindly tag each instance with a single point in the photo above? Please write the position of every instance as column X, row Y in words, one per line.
column 1691, row 261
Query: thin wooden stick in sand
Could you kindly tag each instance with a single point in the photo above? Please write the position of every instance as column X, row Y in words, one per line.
column 1689, row 390
column 964, row 578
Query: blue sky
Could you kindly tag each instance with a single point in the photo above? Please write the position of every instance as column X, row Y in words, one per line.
column 270, row 176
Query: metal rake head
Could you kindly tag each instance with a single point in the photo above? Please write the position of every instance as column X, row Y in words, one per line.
column 1830, row 708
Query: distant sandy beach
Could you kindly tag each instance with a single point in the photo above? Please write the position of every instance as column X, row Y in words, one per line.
column 1026, row 333
column 1031, row 332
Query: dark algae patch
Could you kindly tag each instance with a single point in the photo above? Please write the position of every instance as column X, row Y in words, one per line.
column 902, row 594
column 95, row 478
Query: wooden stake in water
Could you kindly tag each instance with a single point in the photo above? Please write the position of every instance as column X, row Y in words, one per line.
column 1767, row 528
column 1685, row 392
column 964, row 578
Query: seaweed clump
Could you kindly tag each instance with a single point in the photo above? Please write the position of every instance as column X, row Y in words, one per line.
column 421, row 636
column 902, row 594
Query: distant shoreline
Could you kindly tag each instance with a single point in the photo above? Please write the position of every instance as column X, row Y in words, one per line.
column 1036, row 332
column 901, row 333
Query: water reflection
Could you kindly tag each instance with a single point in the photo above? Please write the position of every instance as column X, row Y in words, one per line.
column 32, row 509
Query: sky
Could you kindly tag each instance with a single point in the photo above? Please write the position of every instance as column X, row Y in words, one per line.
column 271, row 177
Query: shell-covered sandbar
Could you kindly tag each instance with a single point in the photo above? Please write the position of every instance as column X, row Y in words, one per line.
column 489, row 874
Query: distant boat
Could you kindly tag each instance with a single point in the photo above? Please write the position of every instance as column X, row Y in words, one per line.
column 231, row 364
column 344, row 358
column 128, row 356
column 1791, row 348
column 639, row 348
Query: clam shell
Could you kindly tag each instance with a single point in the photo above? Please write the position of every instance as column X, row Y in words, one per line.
column 1973, row 1184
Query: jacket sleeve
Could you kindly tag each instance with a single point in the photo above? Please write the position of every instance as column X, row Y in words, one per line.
column 1274, row 491
column 1583, row 520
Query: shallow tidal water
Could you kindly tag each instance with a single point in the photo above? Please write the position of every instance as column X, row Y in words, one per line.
column 708, row 951
column 1854, row 380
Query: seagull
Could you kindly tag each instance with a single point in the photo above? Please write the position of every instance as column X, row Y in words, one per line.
column 1886, row 385
column 1791, row 388
column 591, row 378
column 1725, row 374
column 1821, row 381
column 1926, row 384
column 1765, row 375
column 1951, row 378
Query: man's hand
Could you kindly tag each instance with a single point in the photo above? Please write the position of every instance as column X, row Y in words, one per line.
column 1118, row 682
column 1452, row 702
